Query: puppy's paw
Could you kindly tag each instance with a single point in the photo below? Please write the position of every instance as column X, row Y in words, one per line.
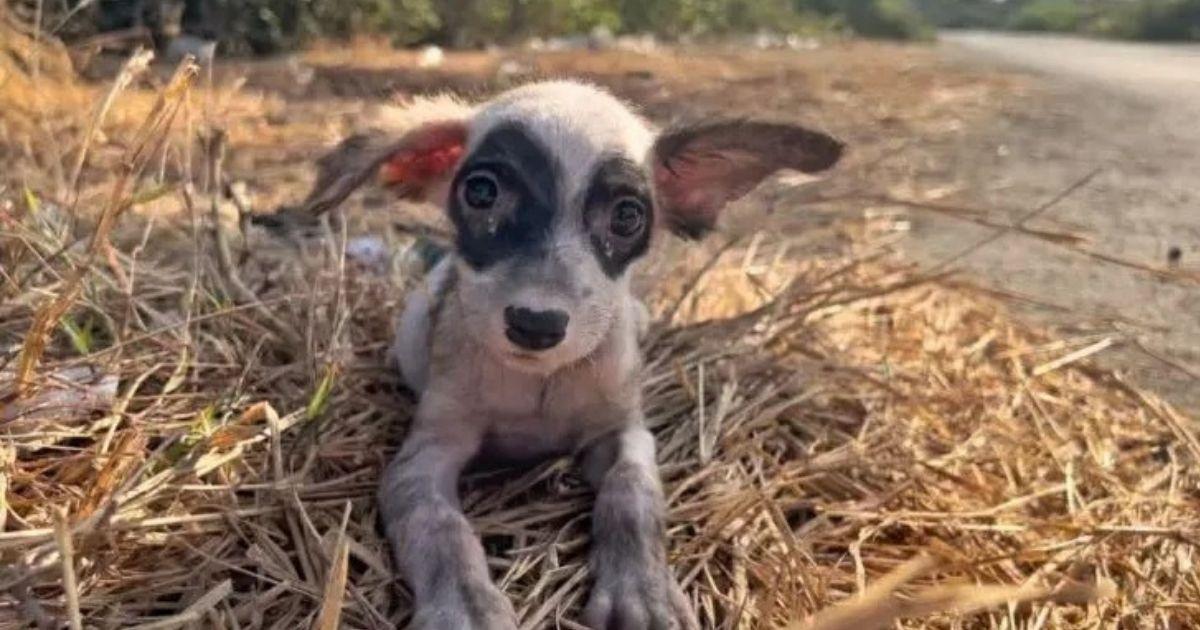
column 470, row 607
column 642, row 598
column 459, row 619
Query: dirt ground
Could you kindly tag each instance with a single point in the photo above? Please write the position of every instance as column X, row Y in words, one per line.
column 1124, row 114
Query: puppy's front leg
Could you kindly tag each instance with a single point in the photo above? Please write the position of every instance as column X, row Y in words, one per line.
column 634, row 588
column 435, row 548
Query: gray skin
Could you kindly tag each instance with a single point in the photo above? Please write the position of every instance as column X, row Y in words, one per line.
column 579, row 184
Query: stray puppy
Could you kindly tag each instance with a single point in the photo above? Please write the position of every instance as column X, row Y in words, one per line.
column 524, row 342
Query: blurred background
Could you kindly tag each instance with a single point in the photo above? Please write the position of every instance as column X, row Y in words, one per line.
column 265, row 26
column 271, row 25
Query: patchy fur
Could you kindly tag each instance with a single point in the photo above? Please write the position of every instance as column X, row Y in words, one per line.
column 556, row 195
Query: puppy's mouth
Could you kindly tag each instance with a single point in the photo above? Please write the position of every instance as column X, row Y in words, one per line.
column 527, row 361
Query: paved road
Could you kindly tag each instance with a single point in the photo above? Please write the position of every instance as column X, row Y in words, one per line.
column 1169, row 72
column 1130, row 112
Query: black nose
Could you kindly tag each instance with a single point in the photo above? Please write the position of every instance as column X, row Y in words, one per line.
column 534, row 330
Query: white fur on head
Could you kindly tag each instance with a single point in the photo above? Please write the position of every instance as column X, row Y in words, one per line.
column 396, row 119
column 578, row 122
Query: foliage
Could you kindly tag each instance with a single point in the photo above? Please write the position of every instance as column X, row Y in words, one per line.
column 1173, row 20
column 265, row 26
column 966, row 13
column 884, row 19
column 1177, row 20
column 1049, row 15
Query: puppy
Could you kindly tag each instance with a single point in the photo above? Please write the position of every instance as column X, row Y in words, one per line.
column 523, row 344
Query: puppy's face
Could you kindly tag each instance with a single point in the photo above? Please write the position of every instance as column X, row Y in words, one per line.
column 552, row 203
column 555, row 190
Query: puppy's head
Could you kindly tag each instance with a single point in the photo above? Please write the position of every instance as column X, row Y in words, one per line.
column 555, row 189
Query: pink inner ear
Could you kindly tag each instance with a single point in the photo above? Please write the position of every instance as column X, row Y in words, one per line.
column 425, row 156
column 693, row 188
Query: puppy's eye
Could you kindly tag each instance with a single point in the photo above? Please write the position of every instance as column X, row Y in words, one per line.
column 480, row 190
column 628, row 217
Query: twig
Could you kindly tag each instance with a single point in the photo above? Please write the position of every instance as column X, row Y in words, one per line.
column 964, row 213
column 66, row 554
column 236, row 194
column 137, row 64
column 1190, row 277
column 335, row 582
column 74, row 10
column 694, row 281
column 1019, row 224
column 7, row 456
column 1015, row 296
column 1189, row 371
column 1078, row 355
column 975, row 215
column 878, row 606
column 215, row 148
column 193, row 613
column 1183, row 430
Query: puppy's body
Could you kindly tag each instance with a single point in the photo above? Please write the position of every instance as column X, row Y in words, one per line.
column 524, row 341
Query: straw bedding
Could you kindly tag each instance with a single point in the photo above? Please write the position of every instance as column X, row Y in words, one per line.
column 197, row 442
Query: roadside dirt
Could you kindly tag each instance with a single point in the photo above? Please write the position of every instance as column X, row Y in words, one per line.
column 1123, row 117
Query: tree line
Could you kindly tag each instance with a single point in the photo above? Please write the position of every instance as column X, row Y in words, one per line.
column 268, row 26
column 1177, row 20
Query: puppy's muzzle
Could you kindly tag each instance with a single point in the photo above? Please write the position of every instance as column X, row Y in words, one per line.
column 535, row 330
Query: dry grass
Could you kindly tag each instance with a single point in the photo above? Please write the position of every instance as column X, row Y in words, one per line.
column 832, row 429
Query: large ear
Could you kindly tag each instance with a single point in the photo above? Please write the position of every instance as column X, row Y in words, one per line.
column 411, row 164
column 700, row 168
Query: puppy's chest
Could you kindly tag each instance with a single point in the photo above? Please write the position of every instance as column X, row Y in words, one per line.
column 531, row 416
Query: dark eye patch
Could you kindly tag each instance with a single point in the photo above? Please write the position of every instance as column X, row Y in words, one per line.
column 617, row 179
column 526, row 171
